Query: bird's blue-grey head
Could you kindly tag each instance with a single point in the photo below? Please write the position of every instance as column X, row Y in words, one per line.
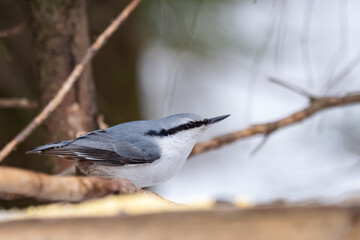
column 180, row 123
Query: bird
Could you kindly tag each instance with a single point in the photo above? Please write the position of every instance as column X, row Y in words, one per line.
column 145, row 152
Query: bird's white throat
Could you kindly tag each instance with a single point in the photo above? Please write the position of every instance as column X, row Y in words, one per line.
column 175, row 150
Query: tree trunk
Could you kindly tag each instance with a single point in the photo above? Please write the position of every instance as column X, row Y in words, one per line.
column 60, row 32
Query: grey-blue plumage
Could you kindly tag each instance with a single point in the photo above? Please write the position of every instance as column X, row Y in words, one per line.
column 134, row 148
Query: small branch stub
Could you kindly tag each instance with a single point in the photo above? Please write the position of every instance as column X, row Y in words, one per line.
column 17, row 103
column 15, row 30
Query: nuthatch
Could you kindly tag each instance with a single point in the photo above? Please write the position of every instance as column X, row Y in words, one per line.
column 145, row 152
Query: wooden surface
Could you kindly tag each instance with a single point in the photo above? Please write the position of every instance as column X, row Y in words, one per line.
column 320, row 223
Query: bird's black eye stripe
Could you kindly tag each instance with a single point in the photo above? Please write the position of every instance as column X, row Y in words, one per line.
column 163, row 132
column 171, row 131
column 151, row 133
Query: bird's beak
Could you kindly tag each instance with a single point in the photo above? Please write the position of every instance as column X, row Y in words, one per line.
column 217, row 119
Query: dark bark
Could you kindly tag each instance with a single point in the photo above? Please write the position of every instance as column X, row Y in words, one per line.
column 60, row 32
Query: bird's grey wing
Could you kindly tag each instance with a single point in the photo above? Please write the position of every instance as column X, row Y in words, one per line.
column 100, row 146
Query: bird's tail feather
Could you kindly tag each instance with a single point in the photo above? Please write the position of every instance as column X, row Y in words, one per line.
column 49, row 148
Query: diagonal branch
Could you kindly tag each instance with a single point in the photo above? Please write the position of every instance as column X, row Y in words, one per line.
column 18, row 183
column 316, row 105
column 293, row 88
column 75, row 74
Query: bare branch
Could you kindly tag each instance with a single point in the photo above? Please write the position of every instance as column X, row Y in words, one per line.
column 315, row 106
column 17, row 103
column 15, row 30
column 75, row 74
column 17, row 183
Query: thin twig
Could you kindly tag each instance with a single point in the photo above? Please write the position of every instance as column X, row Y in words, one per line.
column 15, row 30
column 17, row 103
column 315, row 106
column 19, row 183
column 75, row 74
column 280, row 37
column 161, row 16
column 293, row 88
column 354, row 62
column 343, row 48
column 261, row 144
column 101, row 122
column 304, row 40
column 179, row 20
column 171, row 84
column 258, row 58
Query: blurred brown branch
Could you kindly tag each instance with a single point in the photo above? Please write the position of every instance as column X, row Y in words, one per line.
column 15, row 30
column 17, row 183
column 101, row 122
column 75, row 74
column 17, row 103
column 316, row 105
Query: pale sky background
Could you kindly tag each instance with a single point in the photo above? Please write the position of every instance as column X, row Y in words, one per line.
column 316, row 159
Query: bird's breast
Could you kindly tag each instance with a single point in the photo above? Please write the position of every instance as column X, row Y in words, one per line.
column 174, row 152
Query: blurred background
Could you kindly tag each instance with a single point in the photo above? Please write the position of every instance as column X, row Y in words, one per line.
column 204, row 57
